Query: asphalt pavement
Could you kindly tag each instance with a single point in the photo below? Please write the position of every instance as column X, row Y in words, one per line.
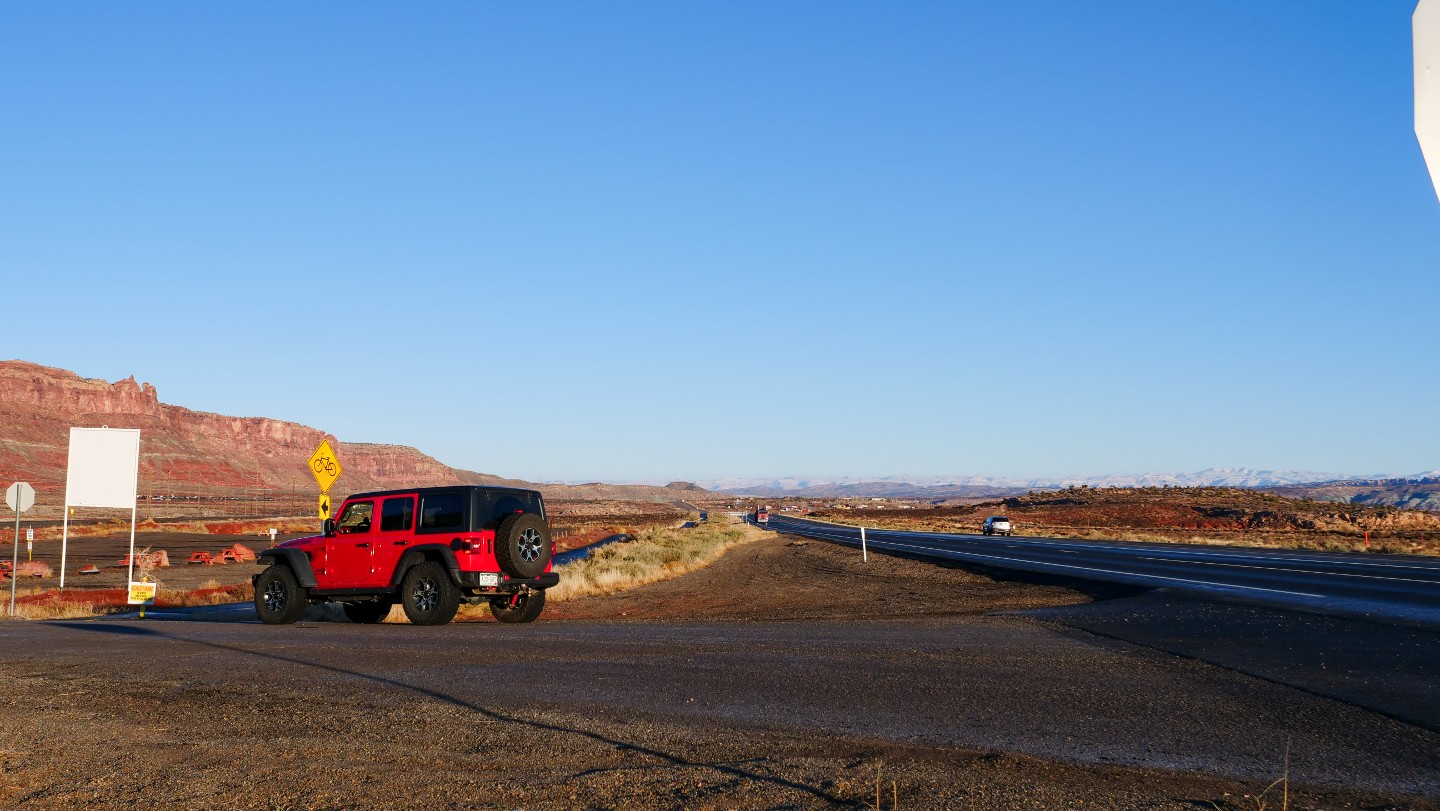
column 1401, row 589
column 1362, row 629
column 978, row 683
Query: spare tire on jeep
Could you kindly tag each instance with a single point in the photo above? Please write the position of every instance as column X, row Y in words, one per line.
column 522, row 545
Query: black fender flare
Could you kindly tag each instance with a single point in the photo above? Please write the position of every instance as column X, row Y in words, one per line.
column 296, row 559
column 416, row 555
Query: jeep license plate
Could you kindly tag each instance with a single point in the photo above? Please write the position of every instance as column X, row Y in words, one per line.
column 489, row 579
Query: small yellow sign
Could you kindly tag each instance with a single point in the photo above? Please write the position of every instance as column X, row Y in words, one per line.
column 324, row 506
column 142, row 593
column 325, row 466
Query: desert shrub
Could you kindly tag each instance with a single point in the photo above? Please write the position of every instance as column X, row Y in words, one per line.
column 654, row 554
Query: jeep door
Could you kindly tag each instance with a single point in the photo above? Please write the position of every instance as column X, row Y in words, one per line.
column 397, row 533
column 349, row 552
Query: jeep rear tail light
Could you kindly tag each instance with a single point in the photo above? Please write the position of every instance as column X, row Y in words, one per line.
column 461, row 545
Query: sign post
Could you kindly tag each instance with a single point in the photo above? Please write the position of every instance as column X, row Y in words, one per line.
column 19, row 497
column 326, row 468
column 142, row 594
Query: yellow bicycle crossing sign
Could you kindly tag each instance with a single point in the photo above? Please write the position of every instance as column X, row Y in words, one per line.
column 325, row 466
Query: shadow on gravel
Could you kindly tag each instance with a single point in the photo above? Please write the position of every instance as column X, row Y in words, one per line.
column 1390, row 669
column 494, row 715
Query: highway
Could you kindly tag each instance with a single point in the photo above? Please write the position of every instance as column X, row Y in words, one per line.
column 1393, row 588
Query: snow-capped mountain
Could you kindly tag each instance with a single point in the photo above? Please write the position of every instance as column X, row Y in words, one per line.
column 984, row 485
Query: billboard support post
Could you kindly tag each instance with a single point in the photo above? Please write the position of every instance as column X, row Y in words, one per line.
column 64, row 538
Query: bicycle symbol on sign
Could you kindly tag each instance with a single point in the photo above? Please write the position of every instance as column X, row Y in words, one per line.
column 324, row 464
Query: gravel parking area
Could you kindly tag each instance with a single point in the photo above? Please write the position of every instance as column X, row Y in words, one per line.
column 784, row 676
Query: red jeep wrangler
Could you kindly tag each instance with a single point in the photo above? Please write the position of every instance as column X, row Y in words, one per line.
column 426, row 548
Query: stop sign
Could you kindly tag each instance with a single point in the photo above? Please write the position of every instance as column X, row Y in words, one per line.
column 1426, row 27
column 20, row 497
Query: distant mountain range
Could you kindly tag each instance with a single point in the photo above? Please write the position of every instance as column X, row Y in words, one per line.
column 1420, row 492
column 994, row 486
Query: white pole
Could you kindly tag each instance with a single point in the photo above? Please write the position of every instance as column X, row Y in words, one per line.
column 15, row 560
column 864, row 553
column 130, row 578
column 64, row 540
column 134, row 497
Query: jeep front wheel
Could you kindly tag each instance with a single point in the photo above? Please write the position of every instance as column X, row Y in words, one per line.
column 522, row 545
column 523, row 607
column 279, row 599
column 428, row 596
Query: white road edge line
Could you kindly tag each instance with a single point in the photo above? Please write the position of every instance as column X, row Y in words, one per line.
column 1112, row 571
column 1093, row 569
column 1297, row 571
column 1178, row 552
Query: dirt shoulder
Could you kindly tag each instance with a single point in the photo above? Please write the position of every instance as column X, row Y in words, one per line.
column 782, row 578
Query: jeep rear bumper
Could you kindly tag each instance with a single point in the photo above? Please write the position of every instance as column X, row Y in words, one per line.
column 471, row 580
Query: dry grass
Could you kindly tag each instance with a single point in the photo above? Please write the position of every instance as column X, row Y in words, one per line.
column 210, row 592
column 1313, row 541
column 654, row 555
column 42, row 603
column 60, row 609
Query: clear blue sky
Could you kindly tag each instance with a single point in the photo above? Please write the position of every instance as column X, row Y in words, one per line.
column 689, row 240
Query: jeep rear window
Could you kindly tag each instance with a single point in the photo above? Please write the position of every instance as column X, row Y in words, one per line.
column 442, row 511
column 397, row 515
column 492, row 506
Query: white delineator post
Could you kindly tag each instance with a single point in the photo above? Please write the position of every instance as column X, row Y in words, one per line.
column 864, row 554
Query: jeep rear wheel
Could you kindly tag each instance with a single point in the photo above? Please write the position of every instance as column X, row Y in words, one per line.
column 367, row 613
column 279, row 600
column 428, row 596
column 522, row 607
column 522, row 545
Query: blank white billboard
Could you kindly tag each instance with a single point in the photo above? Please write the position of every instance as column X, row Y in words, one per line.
column 104, row 467
column 1426, row 31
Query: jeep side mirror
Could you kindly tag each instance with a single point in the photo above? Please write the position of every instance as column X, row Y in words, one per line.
column 328, row 527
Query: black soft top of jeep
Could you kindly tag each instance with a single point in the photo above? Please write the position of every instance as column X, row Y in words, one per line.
column 446, row 489
column 477, row 507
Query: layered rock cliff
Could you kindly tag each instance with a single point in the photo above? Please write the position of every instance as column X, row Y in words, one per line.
column 182, row 450
column 185, row 452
